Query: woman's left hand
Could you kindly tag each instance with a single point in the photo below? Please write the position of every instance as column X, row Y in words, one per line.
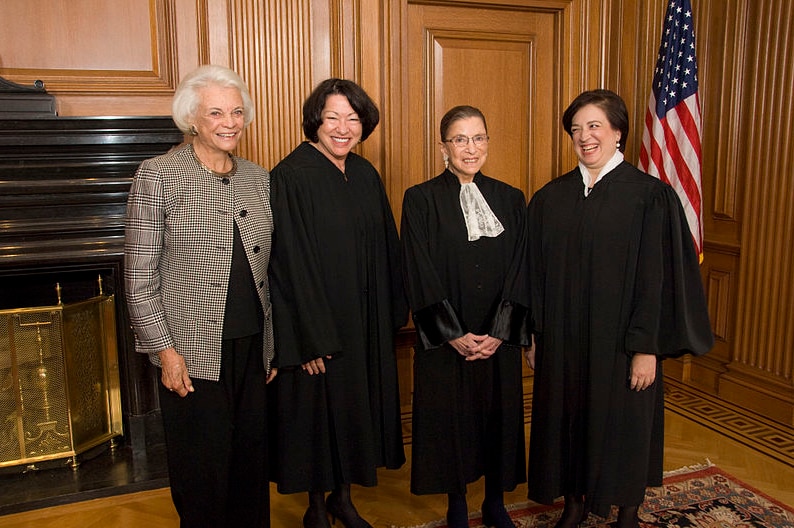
column 643, row 371
column 272, row 375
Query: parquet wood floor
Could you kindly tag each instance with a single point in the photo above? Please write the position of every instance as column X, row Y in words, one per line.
column 390, row 503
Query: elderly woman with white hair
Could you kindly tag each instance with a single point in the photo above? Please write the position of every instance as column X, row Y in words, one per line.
column 197, row 250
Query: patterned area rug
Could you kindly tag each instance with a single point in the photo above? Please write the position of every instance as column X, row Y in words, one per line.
column 703, row 497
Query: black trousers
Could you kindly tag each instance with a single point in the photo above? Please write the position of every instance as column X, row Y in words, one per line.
column 216, row 439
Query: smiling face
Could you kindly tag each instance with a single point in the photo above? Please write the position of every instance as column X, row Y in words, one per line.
column 340, row 130
column 465, row 161
column 594, row 139
column 219, row 120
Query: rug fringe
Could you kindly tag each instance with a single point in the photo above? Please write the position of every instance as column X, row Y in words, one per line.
column 689, row 469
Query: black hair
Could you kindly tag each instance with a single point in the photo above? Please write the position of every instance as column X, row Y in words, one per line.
column 361, row 102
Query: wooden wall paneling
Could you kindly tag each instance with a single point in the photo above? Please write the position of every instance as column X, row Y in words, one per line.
column 632, row 32
column 192, row 47
column 113, row 57
column 213, row 33
column 395, row 68
column 271, row 43
column 284, row 49
column 583, row 35
column 346, row 37
column 371, row 71
column 721, row 50
column 79, row 36
column 761, row 372
column 721, row 64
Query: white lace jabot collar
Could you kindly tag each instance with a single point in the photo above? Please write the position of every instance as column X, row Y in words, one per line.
column 480, row 219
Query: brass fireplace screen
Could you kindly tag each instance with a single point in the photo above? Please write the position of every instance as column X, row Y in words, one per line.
column 59, row 380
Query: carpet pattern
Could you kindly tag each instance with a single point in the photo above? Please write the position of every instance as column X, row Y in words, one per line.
column 697, row 497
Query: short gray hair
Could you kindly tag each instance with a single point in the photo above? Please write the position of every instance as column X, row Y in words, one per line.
column 186, row 98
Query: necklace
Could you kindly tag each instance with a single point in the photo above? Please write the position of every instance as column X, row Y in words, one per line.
column 217, row 174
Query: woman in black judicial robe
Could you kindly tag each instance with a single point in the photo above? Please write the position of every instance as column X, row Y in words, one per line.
column 469, row 308
column 337, row 303
column 616, row 289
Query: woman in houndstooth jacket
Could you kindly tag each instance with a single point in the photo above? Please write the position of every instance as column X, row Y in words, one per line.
column 197, row 250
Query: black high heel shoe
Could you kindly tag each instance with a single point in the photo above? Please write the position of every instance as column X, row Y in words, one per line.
column 345, row 512
column 573, row 514
column 315, row 518
column 494, row 515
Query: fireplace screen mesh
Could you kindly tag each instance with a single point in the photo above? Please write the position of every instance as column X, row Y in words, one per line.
column 59, row 380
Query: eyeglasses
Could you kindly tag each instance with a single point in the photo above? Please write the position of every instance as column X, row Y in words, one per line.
column 461, row 141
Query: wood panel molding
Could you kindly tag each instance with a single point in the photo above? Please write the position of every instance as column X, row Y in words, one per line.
column 722, row 63
column 498, row 51
column 765, row 326
column 282, row 50
column 719, row 283
column 345, row 16
column 271, row 43
column 760, row 370
column 158, row 76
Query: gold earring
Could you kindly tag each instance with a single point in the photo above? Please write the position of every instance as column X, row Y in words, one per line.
column 446, row 162
column 193, row 130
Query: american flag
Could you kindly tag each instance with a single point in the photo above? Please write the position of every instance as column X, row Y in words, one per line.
column 670, row 147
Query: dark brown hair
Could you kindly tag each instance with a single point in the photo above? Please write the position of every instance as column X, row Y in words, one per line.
column 608, row 101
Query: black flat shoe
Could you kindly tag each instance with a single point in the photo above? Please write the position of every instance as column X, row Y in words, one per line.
column 496, row 516
column 345, row 512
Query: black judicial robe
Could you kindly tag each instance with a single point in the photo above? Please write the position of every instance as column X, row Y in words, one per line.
column 336, row 291
column 611, row 274
column 465, row 411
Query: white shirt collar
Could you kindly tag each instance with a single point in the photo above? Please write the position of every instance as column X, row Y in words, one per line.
column 614, row 161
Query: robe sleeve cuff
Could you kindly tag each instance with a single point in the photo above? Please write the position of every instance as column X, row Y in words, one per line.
column 511, row 324
column 436, row 324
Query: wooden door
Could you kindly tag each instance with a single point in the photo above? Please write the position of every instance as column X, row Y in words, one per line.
column 504, row 62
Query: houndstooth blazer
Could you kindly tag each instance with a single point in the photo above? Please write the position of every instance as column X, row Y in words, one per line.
column 178, row 254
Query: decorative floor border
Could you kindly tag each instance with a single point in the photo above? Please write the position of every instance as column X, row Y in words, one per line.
column 739, row 424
